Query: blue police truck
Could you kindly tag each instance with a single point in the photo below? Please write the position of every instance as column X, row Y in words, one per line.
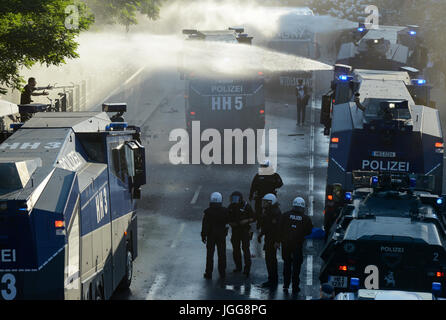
column 68, row 224
column 381, row 121
column 218, row 100
column 385, row 48
column 390, row 235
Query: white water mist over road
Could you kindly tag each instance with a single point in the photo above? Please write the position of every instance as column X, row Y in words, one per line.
column 160, row 44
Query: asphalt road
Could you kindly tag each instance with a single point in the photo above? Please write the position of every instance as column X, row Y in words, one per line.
column 171, row 259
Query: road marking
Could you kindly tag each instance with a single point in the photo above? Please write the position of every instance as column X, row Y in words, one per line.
column 125, row 83
column 311, row 205
column 311, row 183
column 309, row 270
column 310, row 243
column 197, row 193
column 174, row 243
column 157, row 284
column 134, row 75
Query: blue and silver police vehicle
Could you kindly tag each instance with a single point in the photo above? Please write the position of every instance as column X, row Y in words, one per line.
column 68, row 223
column 384, row 48
column 221, row 101
column 381, row 121
column 294, row 37
column 390, row 235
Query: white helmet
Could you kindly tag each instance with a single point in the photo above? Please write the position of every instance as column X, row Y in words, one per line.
column 270, row 198
column 299, row 203
column 265, row 164
column 216, row 197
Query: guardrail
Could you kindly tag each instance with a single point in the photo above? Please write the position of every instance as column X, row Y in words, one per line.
column 80, row 96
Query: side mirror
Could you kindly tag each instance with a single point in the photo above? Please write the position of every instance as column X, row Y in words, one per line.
column 138, row 165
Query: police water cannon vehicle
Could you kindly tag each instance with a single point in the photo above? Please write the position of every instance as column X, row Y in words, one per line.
column 384, row 48
column 216, row 99
column 390, row 235
column 295, row 36
column 232, row 35
column 381, row 121
column 68, row 224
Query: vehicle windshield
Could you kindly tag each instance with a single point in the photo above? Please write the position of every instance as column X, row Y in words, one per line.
column 396, row 204
column 375, row 110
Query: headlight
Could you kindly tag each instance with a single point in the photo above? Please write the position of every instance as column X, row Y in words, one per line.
column 349, row 247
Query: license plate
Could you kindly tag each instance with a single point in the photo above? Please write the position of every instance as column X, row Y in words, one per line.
column 384, row 154
column 338, row 282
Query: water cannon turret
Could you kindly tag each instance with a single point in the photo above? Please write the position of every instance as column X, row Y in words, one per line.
column 237, row 29
column 193, row 34
column 189, row 32
column 244, row 38
column 119, row 108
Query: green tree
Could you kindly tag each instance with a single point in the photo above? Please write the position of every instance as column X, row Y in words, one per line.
column 45, row 31
column 123, row 11
column 33, row 31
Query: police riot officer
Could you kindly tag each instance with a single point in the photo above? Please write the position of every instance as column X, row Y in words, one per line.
column 213, row 234
column 294, row 227
column 269, row 227
column 241, row 216
column 265, row 182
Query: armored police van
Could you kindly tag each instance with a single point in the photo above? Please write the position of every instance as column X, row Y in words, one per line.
column 385, row 48
column 390, row 235
column 293, row 37
column 68, row 224
column 381, row 121
column 222, row 101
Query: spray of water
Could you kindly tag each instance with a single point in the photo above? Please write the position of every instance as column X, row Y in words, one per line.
column 157, row 45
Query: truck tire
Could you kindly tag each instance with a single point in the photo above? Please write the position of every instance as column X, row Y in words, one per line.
column 127, row 280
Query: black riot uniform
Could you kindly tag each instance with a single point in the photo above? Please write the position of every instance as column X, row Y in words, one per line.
column 269, row 227
column 213, row 233
column 294, row 227
column 262, row 185
column 241, row 216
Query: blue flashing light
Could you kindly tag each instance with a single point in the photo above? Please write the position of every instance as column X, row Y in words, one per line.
column 348, row 196
column 354, row 284
column 419, row 82
column 361, row 29
column 15, row 126
column 116, row 126
column 436, row 288
column 413, row 182
column 412, row 33
column 440, row 201
column 375, row 181
column 343, row 77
